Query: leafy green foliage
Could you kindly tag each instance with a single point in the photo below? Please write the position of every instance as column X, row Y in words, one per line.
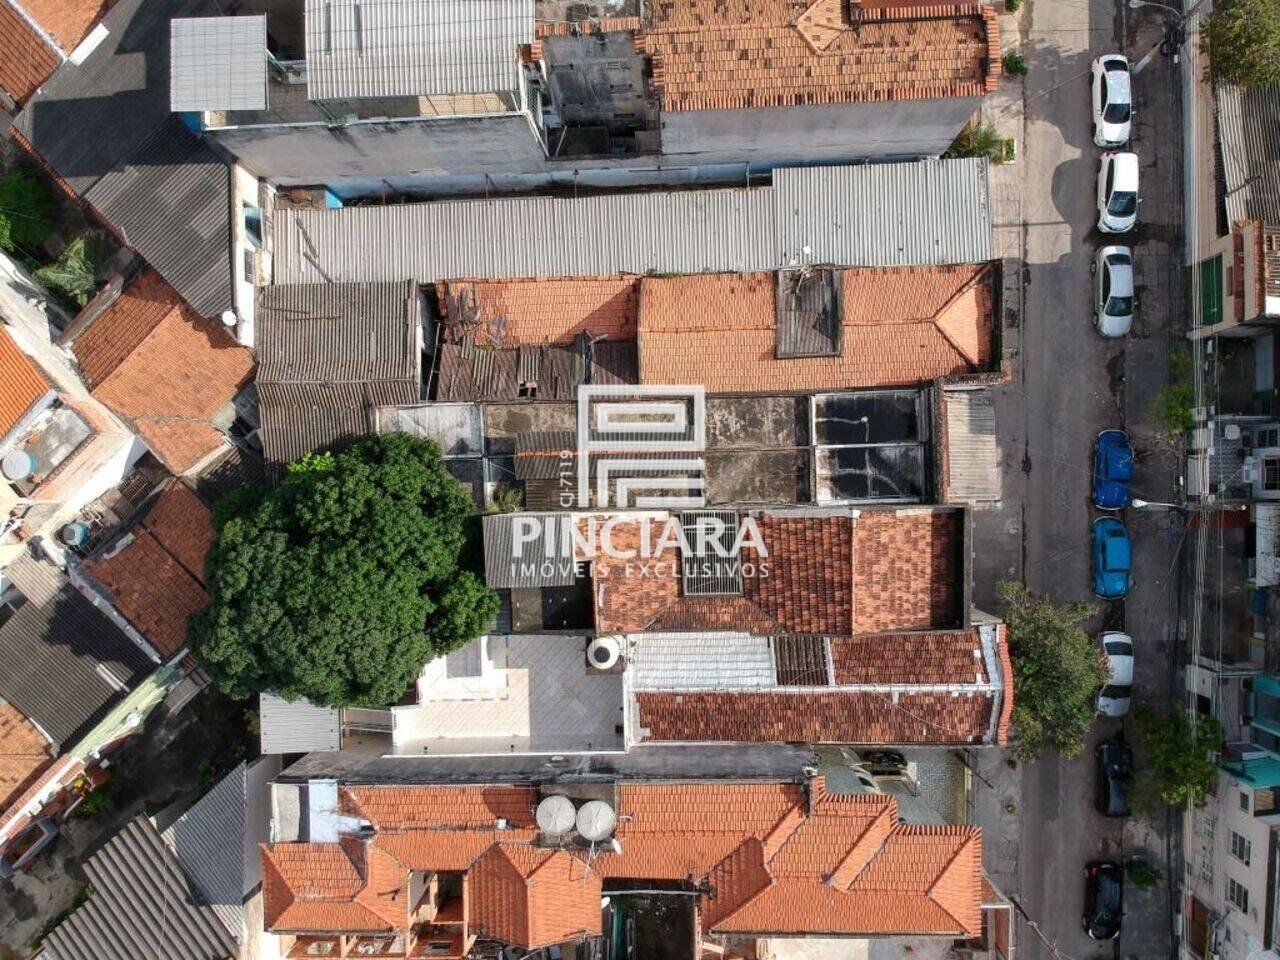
column 1012, row 6
column 1057, row 670
column 1241, row 39
column 1142, row 874
column 25, row 211
column 507, row 498
column 977, row 140
column 1174, row 402
column 1179, row 768
column 74, row 276
column 1015, row 65
column 340, row 584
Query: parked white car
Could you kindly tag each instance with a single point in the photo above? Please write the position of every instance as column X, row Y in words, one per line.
column 1112, row 100
column 1113, row 699
column 1118, row 192
column 1113, row 291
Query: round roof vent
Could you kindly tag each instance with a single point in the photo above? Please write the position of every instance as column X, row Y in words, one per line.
column 596, row 820
column 604, row 652
column 18, row 465
column 74, row 534
column 556, row 815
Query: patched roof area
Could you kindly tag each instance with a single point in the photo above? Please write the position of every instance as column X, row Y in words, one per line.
column 778, row 858
column 744, row 54
column 156, row 579
column 539, row 310
column 838, row 574
column 895, row 327
column 156, row 362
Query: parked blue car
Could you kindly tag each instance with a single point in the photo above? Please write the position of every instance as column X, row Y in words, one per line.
column 1112, row 562
column 1112, row 470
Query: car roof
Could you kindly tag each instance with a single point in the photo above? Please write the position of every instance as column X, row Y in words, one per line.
column 1121, row 665
column 1126, row 167
column 1121, row 277
column 1118, row 85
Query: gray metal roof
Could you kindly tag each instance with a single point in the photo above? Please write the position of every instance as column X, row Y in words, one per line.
column 216, row 840
column 65, row 661
column 701, row 661
column 910, row 214
column 218, row 63
column 298, row 726
column 546, row 562
column 104, row 125
column 1249, row 131
column 456, row 427
column 328, row 355
column 408, row 48
column 143, row 906
column 972, row 452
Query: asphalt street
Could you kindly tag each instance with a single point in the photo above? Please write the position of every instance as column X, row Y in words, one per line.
column 1068, row 384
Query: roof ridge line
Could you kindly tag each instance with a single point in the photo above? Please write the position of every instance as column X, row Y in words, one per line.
column 937, row 324
column 970, row 836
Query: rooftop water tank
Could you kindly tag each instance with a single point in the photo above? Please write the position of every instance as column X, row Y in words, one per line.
column 556, row 815
column 596, row 821
column 18, row 465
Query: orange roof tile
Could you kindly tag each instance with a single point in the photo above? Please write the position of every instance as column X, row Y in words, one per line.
column 67, row 21
column 744, row 54
column 900, row 326
column 157, row 579
column 155, row 361
column 779, row 860
column 28, row 59
column 940, row 656
column 25, row 753
column 21, row 382
column 473, row 808
column 885, row 570
column 536, row 311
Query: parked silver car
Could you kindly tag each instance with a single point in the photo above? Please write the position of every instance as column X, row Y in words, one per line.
column 1113, row 300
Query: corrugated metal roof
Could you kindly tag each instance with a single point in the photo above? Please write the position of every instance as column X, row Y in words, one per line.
column 328, row 355
column 216, row 840
column 409, row 48
column 454, row 426
column 925, row 213
column 142, row 906
column 701, row 661
column 218, row 63
column 171, row 201
column 533, row 568
column 973, row 455
column 297, row 727
column 65, row 662
column 1249, row 131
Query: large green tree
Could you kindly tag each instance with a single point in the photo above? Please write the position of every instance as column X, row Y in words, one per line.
column 25, row 211
column 1057, row 670
column 342, row 582
column 1242, row 41
column 1179, row 766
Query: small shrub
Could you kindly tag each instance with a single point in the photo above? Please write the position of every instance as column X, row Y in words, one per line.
column 1012, row 6
column 977, row 140
column 1015, row 65
column 1142, row 874
column 73, row 278
column 1010, row 152
column 507, row 498
column 1173, row 404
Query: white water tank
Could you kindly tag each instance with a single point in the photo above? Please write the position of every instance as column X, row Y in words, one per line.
column 556, row 815
column 18, row 465
column 603, row 653
column 596, row 821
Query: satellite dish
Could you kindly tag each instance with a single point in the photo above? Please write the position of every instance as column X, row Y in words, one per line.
column 596, row 821
column 229, row 318
column 555, row 815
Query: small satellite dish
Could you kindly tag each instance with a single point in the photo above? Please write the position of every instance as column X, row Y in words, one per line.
column 555, row 815
column 229, row 318
column 596, row 821
column 615, row 846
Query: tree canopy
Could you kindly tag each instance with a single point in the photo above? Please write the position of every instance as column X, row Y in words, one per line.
column 1242, row 41
column 340, row 584
column 1057, row 670
column 1179, row 768
column 25, row 210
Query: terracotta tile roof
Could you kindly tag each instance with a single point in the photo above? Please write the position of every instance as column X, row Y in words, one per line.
column 537, row 311
column 24, row 754
column 844, row 716
column 885, row 570
column 153, row 360
column 28, row 59
column 780, row 858
column 941, row 656
column 21, row 382
column 67, row 21
column 744, row 54
column 157, row 579
column 899, row 326
column 471, row 808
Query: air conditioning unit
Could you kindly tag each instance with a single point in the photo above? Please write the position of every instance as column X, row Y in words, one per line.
column 1249, row 470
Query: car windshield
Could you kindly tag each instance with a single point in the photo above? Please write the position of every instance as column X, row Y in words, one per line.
column 1122, row 203
column 1116, row 691
column 1117, row 646
column 1116, row 112
column 1119, row 306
